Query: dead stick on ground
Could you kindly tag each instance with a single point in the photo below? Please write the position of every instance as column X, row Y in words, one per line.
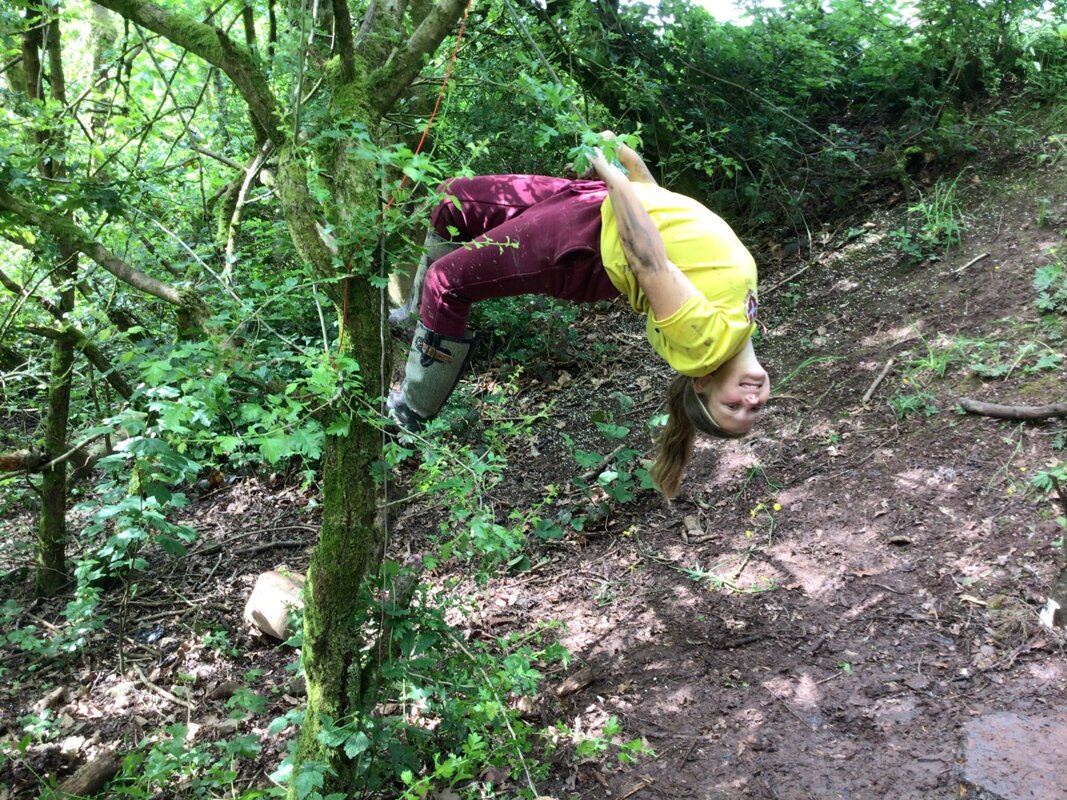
column 91, row 776
column 741, row 567
column 791, row 710
column 1013, row 412
column 256, row 548
column 588, row 475
column 161, row 691
column 642, row 784
column 881, row 377
column 214, row 547
column 970, row 263
column 689, row 752
column 792, row 277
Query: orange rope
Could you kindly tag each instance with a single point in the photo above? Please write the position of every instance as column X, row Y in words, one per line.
column 418, row 149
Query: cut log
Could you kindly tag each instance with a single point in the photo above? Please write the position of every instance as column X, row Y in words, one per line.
column 268, row 606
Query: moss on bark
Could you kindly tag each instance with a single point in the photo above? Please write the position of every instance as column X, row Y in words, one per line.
column 51, row 572
column 349, row 546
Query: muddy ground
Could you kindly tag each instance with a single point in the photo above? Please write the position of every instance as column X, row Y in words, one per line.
column 820, row 612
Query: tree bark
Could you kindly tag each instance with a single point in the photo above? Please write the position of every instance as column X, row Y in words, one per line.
column 51, row 573
column 91, row 776
column 42, row 38
column 350, row 542
column 1013, row 412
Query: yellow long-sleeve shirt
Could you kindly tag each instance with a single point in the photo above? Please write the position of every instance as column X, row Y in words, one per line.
column 712, row 327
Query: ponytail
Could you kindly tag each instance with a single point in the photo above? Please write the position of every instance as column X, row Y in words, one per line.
column 687, row 413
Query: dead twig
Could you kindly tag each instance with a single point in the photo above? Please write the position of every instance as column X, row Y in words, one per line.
column 643, row 783
column 589, row 474
column 689, row 752
column 881, row 377
column 792, row 277
column 1013, row 412
column 161, row 691
column 792, row 710
column 970, row 263
column 255, row 548
column 211, row 549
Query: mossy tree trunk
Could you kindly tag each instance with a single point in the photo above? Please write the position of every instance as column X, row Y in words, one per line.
column 372, row 64
column 51, row 568
column 42, row 65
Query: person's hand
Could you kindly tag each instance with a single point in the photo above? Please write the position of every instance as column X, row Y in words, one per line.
column 598, row 165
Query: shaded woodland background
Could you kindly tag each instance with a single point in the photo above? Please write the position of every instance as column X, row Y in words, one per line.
column 204, row 208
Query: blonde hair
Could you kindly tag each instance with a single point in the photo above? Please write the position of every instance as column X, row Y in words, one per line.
column 687, row 413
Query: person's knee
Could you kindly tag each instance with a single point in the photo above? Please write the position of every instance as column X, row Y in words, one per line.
column 445, row 214
column 436, row 283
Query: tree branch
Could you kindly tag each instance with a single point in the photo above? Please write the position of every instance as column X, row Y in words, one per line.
column 229, row 162
column 1013, row 412
column 80, row 340
column 70, row 235
column 404, row 64
column 343, row 29
column 214, row 46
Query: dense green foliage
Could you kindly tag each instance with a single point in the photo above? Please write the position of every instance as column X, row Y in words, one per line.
column 222, row 350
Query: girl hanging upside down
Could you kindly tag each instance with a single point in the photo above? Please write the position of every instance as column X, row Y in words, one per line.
column 585, row 240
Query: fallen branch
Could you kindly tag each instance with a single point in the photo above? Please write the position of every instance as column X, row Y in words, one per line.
column 1013, row 412
column 258, row 548
column 792, row 277
column 970, row 263
column 210, row 549
column 161, row 691
column 91, row 776
column 643, row 783
column 589, row 474
column 881, row 377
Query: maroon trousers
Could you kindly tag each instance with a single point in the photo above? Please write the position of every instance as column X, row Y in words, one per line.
column 526, row 234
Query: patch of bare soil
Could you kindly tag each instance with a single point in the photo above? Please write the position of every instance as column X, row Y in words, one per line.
column 830, row 601
column 820, row 612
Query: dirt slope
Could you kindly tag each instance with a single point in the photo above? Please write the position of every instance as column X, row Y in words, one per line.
column 820, row 612
column 894, row 595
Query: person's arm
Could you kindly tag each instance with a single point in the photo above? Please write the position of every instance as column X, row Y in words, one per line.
column 634, row 164
column 662, row 282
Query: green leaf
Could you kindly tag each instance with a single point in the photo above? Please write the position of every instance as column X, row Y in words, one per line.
column 356, row 744
column 587, row 459
column 613, row 431
column 607, row 476
column 274, row 447
column 309, row 779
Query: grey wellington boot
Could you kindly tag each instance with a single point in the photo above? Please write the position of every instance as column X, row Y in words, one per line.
column 434, row 247
column 435, row 364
